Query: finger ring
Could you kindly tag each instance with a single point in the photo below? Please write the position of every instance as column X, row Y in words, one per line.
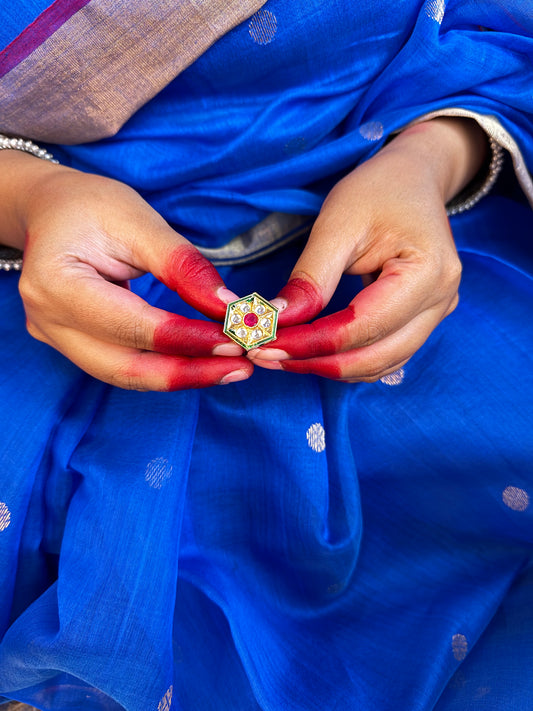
column 251, row 321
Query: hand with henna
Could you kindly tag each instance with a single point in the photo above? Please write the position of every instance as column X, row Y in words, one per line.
column 84, row 237
column 385, row 221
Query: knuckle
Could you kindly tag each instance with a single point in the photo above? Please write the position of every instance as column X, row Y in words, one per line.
column 131, row 334
column 29, row 291
column 452, row 306
column 138, row 335
column 125, row 376
column 454, row 271
column 449, row 277
column 143, row 373
column 457, row 267
column 374, row 373
column 376, row 370
column 371, row 330
column 127, row 381
column 367, row 372
column 122, row 332
column 35, row 332
column 371, row 379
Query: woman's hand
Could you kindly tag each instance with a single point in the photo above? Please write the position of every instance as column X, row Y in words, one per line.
column 86, row 236
column 385, row 221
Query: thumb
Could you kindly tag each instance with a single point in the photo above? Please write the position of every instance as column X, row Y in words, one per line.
column 181, row 266
column 313, row 280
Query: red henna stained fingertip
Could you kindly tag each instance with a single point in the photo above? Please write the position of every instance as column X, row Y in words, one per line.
column 205, row 372
column 304, row 301
column 313, row 367
column 167, row 373
column 323, row 337
column 178, row 335
column 195, row 279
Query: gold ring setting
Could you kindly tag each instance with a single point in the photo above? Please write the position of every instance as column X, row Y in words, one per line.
column 251, row 321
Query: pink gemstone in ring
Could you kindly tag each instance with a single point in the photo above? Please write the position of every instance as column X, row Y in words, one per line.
column 251, row 320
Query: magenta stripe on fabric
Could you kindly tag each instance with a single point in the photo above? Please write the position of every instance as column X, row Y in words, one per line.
column 38, row 32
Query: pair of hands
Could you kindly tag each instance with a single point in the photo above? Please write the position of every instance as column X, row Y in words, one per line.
column 87, row 236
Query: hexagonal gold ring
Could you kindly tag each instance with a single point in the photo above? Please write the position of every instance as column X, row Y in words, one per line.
column 251, row 321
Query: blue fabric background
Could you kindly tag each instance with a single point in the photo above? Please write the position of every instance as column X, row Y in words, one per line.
column 208, row 550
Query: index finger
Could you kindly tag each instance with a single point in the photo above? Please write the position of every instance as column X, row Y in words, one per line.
column 116, row 315
column 299, row 301
column 384, row 307
column 133, row 369
column 186, row 271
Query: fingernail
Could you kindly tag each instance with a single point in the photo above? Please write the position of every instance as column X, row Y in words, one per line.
column 268, row 354
column 225, row 295
column 280, row 303
column 234, row 377
column 227, row 349
column 268, row 364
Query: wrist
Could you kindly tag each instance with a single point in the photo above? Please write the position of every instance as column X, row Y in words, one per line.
column 20, row 175
column 453, row 149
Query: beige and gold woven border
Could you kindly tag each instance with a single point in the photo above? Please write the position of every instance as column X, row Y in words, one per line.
column 106, row 61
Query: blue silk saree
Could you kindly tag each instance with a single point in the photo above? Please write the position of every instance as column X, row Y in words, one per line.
column 289, row 542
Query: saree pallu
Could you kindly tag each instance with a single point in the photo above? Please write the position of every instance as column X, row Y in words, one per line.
column 287, row 542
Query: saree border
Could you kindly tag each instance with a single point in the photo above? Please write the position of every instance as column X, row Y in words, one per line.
column 32, row 36
column 109, row 58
